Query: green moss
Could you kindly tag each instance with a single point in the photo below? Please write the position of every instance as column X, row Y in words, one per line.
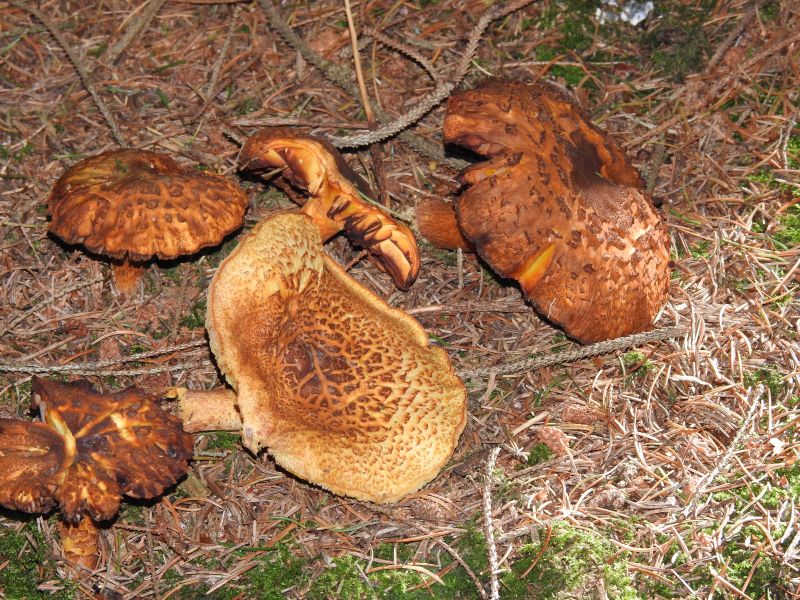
column 768, row 376
column 132, row 514
column 740, row 562
column 788, row 234
column 172, row 579
column 572, row 75
column 222, row 440
column 636, row 364
column 569, row 565
column 539, row 453
column 277, row 572
column 27, row 564
column 248, row 105
column 677, row 43
column 196, row 319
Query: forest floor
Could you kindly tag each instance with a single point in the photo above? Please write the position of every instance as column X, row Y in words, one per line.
column 665, row 471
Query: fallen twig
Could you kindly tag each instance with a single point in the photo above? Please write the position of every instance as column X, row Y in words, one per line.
column 39, row 305
column 137, row 25
column 494, row 567
column 73, row 58
column 98, row 368
column 342, row 76
column 621, row 343
column 443, row 89
column 754, row 396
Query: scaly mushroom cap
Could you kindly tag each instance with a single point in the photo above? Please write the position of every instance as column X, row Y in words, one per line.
column 343, row 390
column 92, row 449
column 136, row 204
column 558, row 208
column 336, row 201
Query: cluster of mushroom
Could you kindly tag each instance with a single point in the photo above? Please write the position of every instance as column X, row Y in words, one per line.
column 341, row 389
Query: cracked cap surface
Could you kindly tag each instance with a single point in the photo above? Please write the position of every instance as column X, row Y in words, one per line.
column 138, row 204
column 558, row 207
column 92, row 449
column 343, row 390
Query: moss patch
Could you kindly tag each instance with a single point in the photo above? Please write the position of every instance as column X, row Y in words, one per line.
column 27, row 565
column 571, row 564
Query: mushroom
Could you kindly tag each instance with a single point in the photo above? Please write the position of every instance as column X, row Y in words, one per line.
column 339, row 198
column 90, row 449
column 133, row 205
column 558, row 207
column 343, row 390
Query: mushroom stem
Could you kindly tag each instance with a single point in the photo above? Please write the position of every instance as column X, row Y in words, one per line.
column 317, row 208
column 212, row 410
column 436, row 222
column 80, row 542
column 126, row 275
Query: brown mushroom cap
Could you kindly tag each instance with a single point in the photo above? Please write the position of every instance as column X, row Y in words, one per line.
column 336, row 202
column 343, row 390
column 135, row 204
column 93, row 449
column 559, row 208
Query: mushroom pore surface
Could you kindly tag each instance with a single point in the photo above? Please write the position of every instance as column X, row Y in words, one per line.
column 558, row 207
column 343, row 390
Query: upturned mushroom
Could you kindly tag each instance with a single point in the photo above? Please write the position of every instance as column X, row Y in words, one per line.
column 133, row 205
column 341, row 389
column 557, row 207
column 338, row 198
column 89, row 451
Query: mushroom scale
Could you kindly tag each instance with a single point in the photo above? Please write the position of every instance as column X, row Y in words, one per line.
column 92, row 449
column 558, row 207
column 136, row 204
column 343, row 390
column 336, row 198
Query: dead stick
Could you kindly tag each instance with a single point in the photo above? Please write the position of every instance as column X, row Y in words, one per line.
column 137, row 25
column 73, row 58
column 342, row 76
column 606, row 347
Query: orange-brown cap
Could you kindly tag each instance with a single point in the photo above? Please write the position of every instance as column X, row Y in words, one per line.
column 337, row 199
column 343, row 390
column 92, row 449
column 136, row 204
column 559, row 208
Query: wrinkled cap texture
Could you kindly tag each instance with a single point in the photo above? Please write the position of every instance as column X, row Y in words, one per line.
column 92, row 449
column 337, row 198
column 558, row 207
column 343, row 390
column 137, row 204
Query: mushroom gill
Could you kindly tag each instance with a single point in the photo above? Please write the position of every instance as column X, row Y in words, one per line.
column 558, row 207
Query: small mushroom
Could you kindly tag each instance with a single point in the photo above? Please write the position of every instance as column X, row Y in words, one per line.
column 339, row 198
column 133, row 205
column 90, row 449
column 343, row 390
column 558, row 207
